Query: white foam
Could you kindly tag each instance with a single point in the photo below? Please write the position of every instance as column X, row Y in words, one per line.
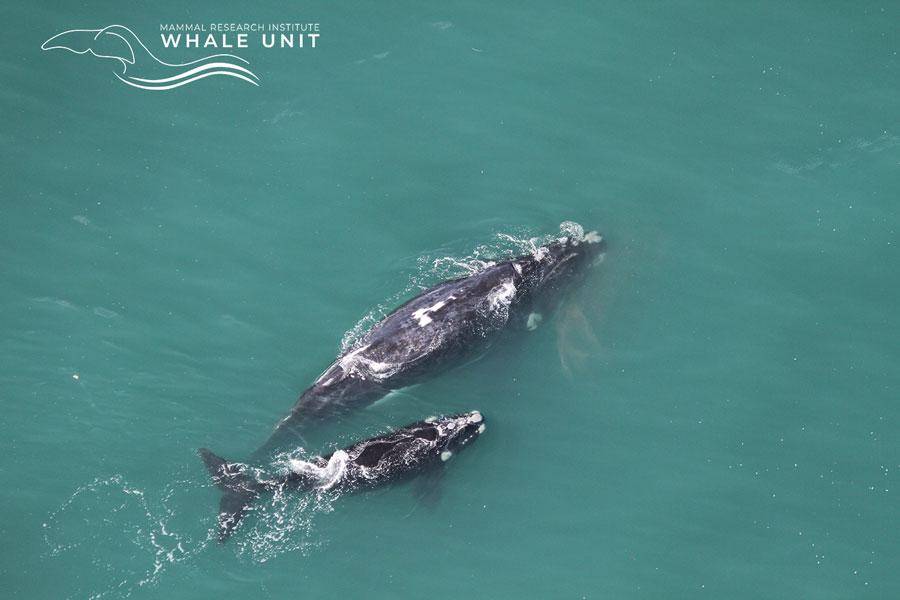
column 354, row 362
column 335, row 468
column 302, row 467
column 495, row 306
column 377, row 370
column 534, row 320
column 380, row 367
column 502, row 295
column 348, row 360
column 328, row 475
column 572, row 230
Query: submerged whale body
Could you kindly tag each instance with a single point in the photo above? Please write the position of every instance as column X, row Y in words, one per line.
column 404, row 453
column 438, row 329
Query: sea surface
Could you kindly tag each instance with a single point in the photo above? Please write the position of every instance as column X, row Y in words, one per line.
column 713, row 413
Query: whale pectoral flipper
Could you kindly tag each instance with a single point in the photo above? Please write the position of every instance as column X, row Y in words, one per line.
column 534, row 321
column 238, row 490
column 429, row 488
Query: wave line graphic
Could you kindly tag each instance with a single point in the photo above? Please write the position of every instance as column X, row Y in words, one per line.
column 120, row 43
column 206, row 67
column 185, row 82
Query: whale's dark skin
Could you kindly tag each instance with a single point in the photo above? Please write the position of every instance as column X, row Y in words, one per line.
column 396, row 456
column 436, row 330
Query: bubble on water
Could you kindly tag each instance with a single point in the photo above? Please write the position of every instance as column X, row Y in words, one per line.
column 126, row 536
column 129, row 536
column 572, row 230
column 282, row 523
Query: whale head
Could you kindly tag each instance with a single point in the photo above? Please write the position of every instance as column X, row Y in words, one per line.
column 454, row 432
column 555, row 264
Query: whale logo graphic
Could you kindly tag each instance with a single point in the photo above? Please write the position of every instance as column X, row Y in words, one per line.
column 120, row 43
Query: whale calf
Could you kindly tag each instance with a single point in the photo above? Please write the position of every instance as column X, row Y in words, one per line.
column 395, row 456
column 438, row 329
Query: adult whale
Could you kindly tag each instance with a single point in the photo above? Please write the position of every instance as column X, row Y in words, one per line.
column 439, row 328
column 401, row 454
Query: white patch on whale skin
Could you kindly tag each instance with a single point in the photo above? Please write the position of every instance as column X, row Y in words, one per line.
column 431, row 419
column 446, row 455
column 534, row 320
column 421, row 315
column 475, row 417
column 517, row 267
column 481, row 429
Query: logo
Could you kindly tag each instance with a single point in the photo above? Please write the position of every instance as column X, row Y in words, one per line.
column 139, row 67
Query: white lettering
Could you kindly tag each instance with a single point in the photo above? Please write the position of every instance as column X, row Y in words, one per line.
column 169, row 40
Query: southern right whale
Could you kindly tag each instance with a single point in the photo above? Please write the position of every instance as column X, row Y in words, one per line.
column 401, row 454
column 440, row 328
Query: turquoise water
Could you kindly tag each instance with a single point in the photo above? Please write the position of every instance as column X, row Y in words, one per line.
column 712, row 414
